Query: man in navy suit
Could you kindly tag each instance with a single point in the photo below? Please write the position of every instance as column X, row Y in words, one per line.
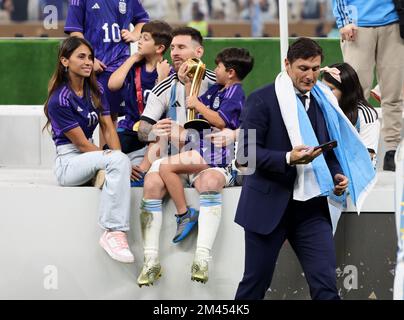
column 267, row 210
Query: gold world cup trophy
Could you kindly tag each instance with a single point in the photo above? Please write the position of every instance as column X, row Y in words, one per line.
column 196, row 71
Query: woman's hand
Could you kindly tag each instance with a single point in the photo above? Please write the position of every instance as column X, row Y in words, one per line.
column 136, row 173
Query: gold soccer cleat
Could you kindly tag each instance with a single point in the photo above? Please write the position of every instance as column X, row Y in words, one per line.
column 199, row 270
column 150, row 273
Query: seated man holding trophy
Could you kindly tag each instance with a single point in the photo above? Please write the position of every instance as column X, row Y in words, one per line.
column 219, row 107
column 162, row 121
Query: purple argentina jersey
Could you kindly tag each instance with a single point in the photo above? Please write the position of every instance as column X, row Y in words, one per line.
column 228, row 104
column 101, row 22
column 67, row 111
column 148, row 80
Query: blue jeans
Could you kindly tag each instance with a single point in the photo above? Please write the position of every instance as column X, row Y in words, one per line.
column 74, row 168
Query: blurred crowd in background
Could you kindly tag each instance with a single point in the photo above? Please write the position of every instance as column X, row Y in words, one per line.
column 197, row 13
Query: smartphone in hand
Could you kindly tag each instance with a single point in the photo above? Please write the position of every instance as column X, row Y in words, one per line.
column 327, row 146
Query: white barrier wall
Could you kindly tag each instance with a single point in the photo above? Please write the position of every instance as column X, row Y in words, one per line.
column 49, row 237
column 23, row 144
column 50, row 250
column 22, row 141
column 49, row 234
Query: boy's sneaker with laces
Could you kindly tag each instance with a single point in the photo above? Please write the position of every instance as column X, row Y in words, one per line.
column 116, row 245
column 185, row 224
column 151, row 271
column 138, row 183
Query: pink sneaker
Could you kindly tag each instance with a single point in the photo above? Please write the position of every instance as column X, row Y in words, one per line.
column 375, row 93
column 116, row 245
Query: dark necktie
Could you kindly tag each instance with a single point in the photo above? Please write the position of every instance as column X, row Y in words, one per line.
column 303, row 99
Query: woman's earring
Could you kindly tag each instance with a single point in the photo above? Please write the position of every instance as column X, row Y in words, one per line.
column 66, row 69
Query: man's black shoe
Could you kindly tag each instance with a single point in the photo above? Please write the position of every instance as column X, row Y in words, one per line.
column 389, row 164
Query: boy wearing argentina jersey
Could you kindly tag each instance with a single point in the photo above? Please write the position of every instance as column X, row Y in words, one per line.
column 74, row 107
column 221, row 106
column 137, row 76
column 105, row 24
column 163, row 118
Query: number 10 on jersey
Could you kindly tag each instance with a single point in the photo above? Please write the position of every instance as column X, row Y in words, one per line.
column 112, row 30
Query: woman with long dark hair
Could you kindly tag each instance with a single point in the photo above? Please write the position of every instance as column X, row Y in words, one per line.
column 74, row 107
column 343, row 81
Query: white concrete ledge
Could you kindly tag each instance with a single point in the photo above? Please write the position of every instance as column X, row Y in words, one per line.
column 22, row 141
column 24, row 145
column 381, row 199
column 46, row 228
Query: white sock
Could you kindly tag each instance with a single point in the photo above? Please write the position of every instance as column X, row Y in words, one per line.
column 151, row 218
column 208, row 222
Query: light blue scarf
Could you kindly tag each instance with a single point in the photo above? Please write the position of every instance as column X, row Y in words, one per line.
column 320, row 168
column 315, row 179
